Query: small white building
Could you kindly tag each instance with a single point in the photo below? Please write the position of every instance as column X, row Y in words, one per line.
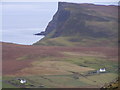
column 22, row 81
column 102, row 70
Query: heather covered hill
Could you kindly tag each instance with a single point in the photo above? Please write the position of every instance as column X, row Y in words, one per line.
column 82, row 25
column 57, row 67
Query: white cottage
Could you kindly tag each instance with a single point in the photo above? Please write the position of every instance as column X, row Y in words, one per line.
column 23, row 81
column 102, row 70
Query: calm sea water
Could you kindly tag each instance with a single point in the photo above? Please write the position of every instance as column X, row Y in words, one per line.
column 20, row 21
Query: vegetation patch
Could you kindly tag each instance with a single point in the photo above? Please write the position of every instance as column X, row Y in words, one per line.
column 100, row 79
column 53, row 68
column 94, row 62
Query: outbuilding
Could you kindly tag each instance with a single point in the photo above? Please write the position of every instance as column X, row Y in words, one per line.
column 22, row 81
column 102, row 70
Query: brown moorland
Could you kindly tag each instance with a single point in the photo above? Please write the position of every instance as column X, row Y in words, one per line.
column 13, row 64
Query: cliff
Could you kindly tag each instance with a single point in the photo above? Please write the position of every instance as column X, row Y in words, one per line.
column 82, row 25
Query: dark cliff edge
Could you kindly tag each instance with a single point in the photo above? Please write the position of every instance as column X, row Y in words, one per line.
column 82, row 25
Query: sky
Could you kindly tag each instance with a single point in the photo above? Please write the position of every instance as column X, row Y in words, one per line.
column 113, row 2
column 27, row 11
column 61, row 0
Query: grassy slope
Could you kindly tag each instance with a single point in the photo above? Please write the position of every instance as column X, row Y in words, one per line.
column 54, row 81
column 54, row 66
column 6, row 85
column 77, row 41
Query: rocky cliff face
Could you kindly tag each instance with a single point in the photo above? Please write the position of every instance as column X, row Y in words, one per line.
column 60, row 17
column 82, row 24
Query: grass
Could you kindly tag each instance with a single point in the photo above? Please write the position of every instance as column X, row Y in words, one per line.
column 67, row 80
column 77, row 41
column 23, row 58
column 0, row 81
column 104, row 24
column 93, row 62
column 52, row 67
column 56, row 69
column 99, row 79
column 54, row 81
column 7, row 85
column 60, row 41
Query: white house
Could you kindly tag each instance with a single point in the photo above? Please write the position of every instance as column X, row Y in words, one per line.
column 23, row 81
column 102, row 70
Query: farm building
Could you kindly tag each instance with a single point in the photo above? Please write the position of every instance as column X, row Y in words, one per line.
column 22, row 81
column 101, row 70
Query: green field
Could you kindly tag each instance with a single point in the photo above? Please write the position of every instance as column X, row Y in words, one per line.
column 7, row 85
column 54, row 81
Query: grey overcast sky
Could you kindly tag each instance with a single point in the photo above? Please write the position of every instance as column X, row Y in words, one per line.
column 79, row 1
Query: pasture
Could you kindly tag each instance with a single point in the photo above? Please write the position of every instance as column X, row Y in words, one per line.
column 58, row 67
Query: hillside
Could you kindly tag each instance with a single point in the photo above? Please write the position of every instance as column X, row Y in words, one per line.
column 57, row 67
column 82, row 25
